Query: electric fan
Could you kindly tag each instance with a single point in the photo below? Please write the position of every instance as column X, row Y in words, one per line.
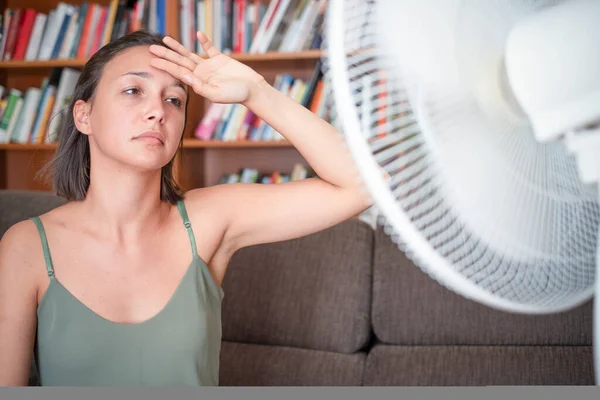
column 486, row 116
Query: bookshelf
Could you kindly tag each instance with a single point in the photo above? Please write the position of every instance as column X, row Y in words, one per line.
column 199, row 162
column 187, row 144
column 273, row 56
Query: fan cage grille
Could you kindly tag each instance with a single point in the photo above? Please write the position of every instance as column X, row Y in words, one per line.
column 557, row 274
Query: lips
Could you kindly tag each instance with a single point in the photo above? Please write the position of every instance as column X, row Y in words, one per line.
column 152, row 135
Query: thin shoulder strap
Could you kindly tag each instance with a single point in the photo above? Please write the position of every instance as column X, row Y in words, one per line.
column 188, row 226
column 42, row 232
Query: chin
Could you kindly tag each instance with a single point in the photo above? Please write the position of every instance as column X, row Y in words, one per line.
column 145, row 158
column 149, row 161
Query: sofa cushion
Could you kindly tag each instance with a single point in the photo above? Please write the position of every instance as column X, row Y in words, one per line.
column 258, row 365
column 409, row 307
column 18, row 205
column 312, row 292
column 391, row 365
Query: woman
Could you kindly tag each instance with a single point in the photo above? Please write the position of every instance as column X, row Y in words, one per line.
column 121, row 285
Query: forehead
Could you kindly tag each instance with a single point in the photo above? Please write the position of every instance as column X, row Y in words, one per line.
column 134, row 59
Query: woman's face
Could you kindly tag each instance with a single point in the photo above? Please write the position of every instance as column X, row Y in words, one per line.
column 138, row 112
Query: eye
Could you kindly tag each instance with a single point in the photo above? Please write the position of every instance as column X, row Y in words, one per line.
column 176, row 101
column 132, row 90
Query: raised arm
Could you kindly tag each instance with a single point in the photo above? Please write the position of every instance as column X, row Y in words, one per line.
column 267, row 213
column 18, row 304
column 259, row 213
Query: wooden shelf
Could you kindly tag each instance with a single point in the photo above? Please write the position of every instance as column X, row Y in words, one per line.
column 75, row 63
column 195, row 143
column 249, row 58
column 279, row 56
column 27, row 147
column 187, row 144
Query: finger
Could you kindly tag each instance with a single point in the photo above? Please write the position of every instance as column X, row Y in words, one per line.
column 200, row 87
column 179, row 48
column 170, row 55
column 177, row 71
column 207, row 45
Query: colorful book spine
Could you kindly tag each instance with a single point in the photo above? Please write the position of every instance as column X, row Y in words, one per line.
column 13, row 97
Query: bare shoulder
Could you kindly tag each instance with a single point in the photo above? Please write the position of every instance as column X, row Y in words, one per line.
column 217, row 200
column 207, row 210
column 21, row 249
column 21, row 255
column 64, row 214
column 205, row 194
column 207, row 205
column 207, row 201
column 19, row 238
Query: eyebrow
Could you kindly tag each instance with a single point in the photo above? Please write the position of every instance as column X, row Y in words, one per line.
column 147, row 75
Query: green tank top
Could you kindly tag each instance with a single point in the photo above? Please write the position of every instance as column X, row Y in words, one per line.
column 179, row 346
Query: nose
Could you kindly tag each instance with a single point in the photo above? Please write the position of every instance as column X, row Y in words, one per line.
column 155, row 109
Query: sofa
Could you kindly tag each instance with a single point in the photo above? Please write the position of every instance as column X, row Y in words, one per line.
column 345, row 307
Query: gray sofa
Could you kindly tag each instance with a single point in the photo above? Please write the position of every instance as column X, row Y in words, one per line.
column 345, row 307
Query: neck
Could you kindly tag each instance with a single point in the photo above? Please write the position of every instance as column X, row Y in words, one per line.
column 124, row 204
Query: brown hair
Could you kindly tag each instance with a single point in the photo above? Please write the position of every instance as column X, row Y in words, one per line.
column 69, row 169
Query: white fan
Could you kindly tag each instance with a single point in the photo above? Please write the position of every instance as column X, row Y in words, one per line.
column 486, row 115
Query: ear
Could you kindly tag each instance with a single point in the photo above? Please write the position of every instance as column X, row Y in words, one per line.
column 81, row 111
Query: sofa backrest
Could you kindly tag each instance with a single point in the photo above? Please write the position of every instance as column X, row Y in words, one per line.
column 312, row 292
column 18, row 205
column 411, row 308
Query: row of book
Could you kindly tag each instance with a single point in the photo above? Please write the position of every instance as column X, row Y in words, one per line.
column 253, row 175
column 36, row 116
column 251, row 26
column 232, row 122
column 74, row 30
